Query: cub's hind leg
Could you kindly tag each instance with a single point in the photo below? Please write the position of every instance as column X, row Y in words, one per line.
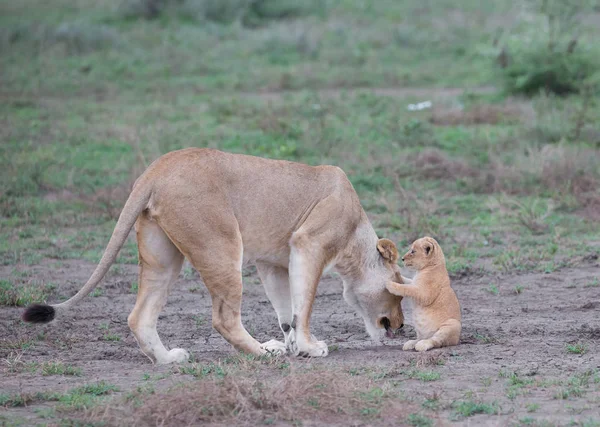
column 160, row 264
column 447, row 335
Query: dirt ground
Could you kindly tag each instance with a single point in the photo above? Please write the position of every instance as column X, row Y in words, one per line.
column 526, row 333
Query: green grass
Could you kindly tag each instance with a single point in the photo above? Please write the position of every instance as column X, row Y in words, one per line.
column 59, row 368
column 425, row 376
column 201, row 370
column 493, row 289
column 468, row 408
column 79, row 398
column 21, row 293
column 83, row 397
column 594, row 283
column 578, row 348
column 419, row 420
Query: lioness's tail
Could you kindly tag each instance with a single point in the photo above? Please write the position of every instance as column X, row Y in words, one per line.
column 136, row 203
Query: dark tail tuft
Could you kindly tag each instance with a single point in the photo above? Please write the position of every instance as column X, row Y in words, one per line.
column 39, row 313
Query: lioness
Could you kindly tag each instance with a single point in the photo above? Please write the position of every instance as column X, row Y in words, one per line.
column 436, row 312
column 220, row 210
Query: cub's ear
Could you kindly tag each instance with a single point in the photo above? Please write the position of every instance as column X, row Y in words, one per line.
column 429, row 245
column 388, row 250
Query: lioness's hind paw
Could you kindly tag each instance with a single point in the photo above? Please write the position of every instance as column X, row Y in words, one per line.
column 274, row 347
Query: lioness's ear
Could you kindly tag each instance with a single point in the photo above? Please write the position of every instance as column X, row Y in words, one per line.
column 388, row 250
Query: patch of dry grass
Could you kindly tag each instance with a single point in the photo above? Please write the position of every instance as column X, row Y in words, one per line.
column 330, row 397
column 479, row 114
column 568, row 173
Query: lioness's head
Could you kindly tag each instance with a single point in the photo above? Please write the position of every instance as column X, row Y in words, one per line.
column 424, row 252
column 380, row 309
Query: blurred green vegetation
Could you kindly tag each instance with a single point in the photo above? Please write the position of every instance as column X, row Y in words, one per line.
column 93, row 91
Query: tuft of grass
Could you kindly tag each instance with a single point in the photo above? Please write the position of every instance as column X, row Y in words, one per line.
column 519, row 289
column 59, row 368
column 493, row 289
column 419, row 420
column 577, row 348
column 21, row 295
column 111, row 337
column 13, row 400
column 199, row 370
column 96, row 292
column 594, row 283
column 79, row 398
column 107, row 335
column 200, row 320
column 424, row 376
column 468, row 408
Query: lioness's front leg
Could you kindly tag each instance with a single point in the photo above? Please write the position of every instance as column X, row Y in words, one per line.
column 276, row 282
column 305, row 271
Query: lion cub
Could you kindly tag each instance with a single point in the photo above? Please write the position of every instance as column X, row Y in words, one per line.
column 436, row 312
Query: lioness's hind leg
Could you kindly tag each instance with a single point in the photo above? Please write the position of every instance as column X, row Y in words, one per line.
column 160, row 264
column 221, row 269
column 447, row 335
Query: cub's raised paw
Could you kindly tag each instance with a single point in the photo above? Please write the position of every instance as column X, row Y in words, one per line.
column 409, row 345
column 274, row 347
column 424, row 345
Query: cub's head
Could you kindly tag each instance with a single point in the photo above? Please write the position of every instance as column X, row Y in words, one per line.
column 380, row 309
column 424, row 252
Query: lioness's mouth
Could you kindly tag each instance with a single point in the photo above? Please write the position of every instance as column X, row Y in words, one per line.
column 389, row 332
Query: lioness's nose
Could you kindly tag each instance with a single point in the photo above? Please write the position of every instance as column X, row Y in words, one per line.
column 402, row 258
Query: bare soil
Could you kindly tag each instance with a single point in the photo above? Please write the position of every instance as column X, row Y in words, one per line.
column 525, row 333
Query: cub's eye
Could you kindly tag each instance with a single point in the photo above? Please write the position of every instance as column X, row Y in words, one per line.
column 412, row 251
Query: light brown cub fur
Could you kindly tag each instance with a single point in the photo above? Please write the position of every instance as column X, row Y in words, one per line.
column 436, row 312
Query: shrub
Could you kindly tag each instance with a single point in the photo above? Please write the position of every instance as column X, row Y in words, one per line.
column 548, row 54
column 250, row 13
column 536, row 68
column 75, row 38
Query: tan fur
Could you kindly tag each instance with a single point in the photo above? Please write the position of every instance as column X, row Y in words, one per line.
column 436, row 313
column 220, row 210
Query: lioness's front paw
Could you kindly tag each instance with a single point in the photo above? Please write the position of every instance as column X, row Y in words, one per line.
column 409, row 345
column 274, row 347
column 290, row 342
column 424, row 345
column 176, row 355
column 313, row 349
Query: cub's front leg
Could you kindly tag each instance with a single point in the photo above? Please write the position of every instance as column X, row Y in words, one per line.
column 421, row 295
